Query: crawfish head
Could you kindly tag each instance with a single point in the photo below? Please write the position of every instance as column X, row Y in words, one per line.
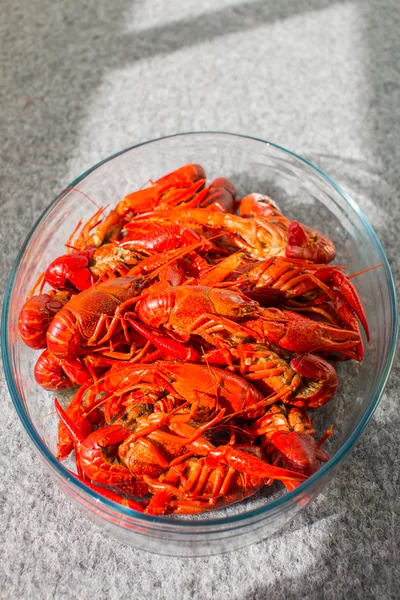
column 75, row 325
column 322, row 381
column 309, row 244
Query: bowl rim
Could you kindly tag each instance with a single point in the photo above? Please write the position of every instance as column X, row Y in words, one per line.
column 270, row 507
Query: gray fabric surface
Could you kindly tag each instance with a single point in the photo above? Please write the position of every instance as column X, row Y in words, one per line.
column 80, row 81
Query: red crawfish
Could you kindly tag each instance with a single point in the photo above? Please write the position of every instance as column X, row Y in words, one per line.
column 79, row 270
column 309, row 380
column 260, row 236
column 178, row 187
column 193, row 486
column 157, row 442
column 204, row 311
column 162, row 445
column 294, row 284
column 287, row 435
column 78, row 326
column 96, row 457
column 160, row 239
column 53, row 373
column 202, row 388
column 95, row 314
column 219, row 196
column 303, row 242
column 36, row 316
column 76, row 412
column 164, row 244
column 171, row 190
column 302, row 381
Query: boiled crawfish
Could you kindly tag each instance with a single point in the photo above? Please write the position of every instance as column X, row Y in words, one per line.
column 199, row 330
column 205, row 311
column 159, row 443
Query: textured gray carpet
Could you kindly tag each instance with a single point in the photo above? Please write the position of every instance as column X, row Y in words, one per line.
column 82, row 80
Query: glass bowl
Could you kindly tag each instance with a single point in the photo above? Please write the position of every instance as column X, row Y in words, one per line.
column 305, row 193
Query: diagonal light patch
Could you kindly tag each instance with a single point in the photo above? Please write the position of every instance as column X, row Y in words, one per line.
column 296, row 82
column 206, row 25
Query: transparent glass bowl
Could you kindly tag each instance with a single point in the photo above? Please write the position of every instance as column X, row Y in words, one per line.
column 304, row 193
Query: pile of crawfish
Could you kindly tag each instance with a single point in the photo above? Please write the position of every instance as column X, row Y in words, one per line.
column 199, row 330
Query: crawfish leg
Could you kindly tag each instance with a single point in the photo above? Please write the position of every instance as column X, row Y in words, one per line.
column 169, row 348
column 217, row 273
column 234, row 457
column 209, row 324
column 111, row 326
